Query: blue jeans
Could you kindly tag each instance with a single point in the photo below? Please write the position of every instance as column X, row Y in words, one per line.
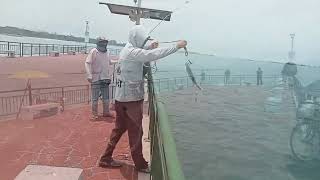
column 100, row 88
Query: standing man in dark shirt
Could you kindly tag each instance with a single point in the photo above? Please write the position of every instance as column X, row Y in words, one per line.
column 259, row 76
column 227, row 74
column 203, row 76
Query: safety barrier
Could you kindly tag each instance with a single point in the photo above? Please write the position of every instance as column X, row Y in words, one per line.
column 38, row 49
column 10, row 100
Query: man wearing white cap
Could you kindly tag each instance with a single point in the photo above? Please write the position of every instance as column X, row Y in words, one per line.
column 97, row 67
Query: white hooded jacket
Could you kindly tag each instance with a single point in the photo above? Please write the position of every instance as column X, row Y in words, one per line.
column 129, row 71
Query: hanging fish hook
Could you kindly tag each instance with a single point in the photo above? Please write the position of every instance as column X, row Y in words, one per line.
column 186, row 53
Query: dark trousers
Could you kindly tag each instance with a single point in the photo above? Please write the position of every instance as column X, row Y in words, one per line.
column 129, row 117
column 226, row 79
column 259, row 80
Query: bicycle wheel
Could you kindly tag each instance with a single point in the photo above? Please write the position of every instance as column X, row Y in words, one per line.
column 303, row 141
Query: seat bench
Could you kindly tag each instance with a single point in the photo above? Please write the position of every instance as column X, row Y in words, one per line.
column 39, row 110
column 71, row 53
column 54, row 54
column 11, row 53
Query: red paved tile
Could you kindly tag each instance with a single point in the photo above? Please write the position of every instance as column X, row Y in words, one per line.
column 68, row 140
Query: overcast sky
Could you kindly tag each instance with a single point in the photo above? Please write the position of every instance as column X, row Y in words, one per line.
column 255, row 29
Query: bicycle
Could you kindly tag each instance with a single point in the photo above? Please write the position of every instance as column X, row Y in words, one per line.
column 305, row 136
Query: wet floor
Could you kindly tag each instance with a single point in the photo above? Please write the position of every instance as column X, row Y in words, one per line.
column 229, row 133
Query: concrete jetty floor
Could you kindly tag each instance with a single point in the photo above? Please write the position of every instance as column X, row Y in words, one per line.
column 66, row 140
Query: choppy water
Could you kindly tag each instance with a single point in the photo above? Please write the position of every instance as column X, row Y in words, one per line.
column 227, row 134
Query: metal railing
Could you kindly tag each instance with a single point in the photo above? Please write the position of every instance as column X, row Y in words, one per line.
column 10, row 100
column 38, row 49
column 69, row 95
column 164, row 160
column 172, row 84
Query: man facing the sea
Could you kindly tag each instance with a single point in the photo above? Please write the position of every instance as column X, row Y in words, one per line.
column 227, row 74
column 259, row 76
column 130, row 94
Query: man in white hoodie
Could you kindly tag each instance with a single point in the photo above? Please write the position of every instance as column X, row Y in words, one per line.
column 130, row 94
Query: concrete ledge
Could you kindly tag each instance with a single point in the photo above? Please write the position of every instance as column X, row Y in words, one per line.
column 71, row 53
column 11, row 53
column 54, row 54
column 29, row 112
column 33, row 172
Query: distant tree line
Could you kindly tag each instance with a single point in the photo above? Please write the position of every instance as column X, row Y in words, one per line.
column 28, row 33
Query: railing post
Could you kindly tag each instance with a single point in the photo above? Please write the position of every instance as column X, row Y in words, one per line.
column 62, row 49
column 31, row 50
column 20, row 49
column 62, row 97
column 8, row 48
column 175, row 82
column 62, row 92
column 88, row 93
column 39, row 49
column 30, row 93
column 62, row 102
column 47, row 49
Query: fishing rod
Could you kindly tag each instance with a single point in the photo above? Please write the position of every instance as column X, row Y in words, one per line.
column 188, row 63
column 175, row 10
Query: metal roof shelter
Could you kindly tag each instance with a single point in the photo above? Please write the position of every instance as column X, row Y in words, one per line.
column 137, row 12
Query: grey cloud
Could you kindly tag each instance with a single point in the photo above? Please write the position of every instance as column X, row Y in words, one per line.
column 256, row 29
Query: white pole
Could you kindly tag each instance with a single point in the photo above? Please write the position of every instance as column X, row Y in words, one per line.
column 139, row 13
column 292, row 43
column 87, row 37
column 292, row 52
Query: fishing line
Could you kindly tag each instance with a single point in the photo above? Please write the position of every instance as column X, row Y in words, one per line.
column 175, row 10
column 188, row 63
column 167, row 42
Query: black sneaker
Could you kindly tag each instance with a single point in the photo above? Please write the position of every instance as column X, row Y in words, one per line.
column 108, row 114
column 109, row 164
column 144, row 170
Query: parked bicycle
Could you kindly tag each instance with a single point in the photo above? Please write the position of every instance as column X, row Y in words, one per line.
column 305, row 136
